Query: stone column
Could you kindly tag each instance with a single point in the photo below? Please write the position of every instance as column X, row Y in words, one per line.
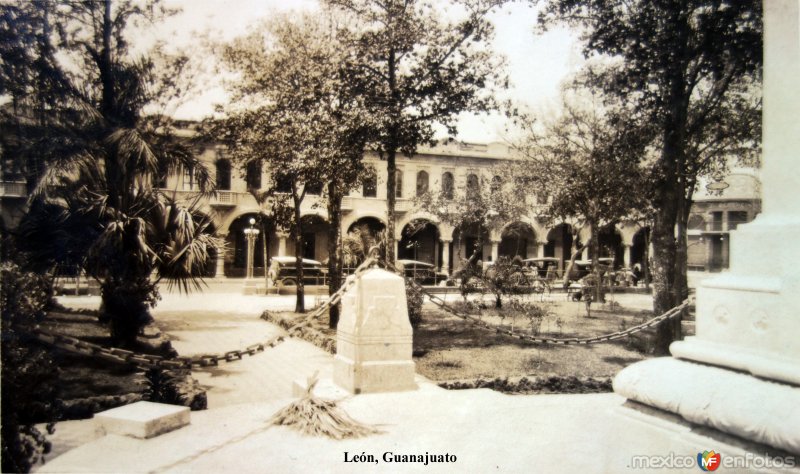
column 540, row 249
column 446, row 256
column 220, row 271
column 282, row 238
column 747, row 320
column 627, row 256
column 373, row 345
column 495, row 250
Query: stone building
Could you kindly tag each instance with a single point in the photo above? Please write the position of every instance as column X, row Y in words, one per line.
column 718, row 209
column 419, row 236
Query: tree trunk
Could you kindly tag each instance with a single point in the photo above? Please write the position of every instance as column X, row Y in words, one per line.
column 391, row 182
column 300, row 304
column 598, row 282
column 334, row 246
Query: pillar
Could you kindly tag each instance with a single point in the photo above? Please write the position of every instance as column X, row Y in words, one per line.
column 746, row 320
column 446, row 257
column 220, row 271
column 627, row 256
column 495, row 249
column 540, row 249
column 282, row 238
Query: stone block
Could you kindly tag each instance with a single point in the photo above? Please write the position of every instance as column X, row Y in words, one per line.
column 142, row 419
column 374, row 336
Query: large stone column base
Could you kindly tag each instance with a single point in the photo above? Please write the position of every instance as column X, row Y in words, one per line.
column 373, row 376
column 732, row 402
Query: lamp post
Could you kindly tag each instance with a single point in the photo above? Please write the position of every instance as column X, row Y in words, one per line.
column 251, row 234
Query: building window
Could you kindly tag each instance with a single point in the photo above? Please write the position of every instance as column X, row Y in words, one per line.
column 283, row 184
column 448, row 185
column 223, row 175
column 472, row 185
column 314, row 188
column 497, row 184
column 370, row 187
column 253, row 175
column 696, row 222
column 422, row 183
column 398, row 184
column 188, row 178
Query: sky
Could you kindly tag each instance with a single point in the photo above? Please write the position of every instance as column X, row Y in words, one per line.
column 537, row 65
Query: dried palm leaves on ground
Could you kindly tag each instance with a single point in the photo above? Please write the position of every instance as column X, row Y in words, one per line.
column 314, row 416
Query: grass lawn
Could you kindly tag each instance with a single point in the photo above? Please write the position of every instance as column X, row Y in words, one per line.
column 82, row 376
column 447, row 348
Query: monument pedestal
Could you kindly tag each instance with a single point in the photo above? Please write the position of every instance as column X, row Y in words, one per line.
column 740, row 374
column 374, row 336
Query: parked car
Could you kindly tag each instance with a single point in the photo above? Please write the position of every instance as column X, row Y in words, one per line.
column 540, row 266
column 283, row 272
column 581, row 268
column 421, row 272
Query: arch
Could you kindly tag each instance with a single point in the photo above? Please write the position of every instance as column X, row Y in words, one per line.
column 640, row 252
column 473, row 184
column 560, row 244
column 465, row 244
column 223, row 174
column 517, row 239
column 423, row 181
column 610, row 245
column 374, row 223
column 264, row 246
column 448, row 185
column 315, row 236
column 420, row 241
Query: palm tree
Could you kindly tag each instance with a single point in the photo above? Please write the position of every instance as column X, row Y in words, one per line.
column 97, row 203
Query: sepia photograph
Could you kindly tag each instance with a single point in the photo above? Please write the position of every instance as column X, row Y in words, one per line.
column 390, row 236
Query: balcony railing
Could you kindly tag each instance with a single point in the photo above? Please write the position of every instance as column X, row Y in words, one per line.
column 14, row 189
column 347, row 204
column 403, row 205
column 225, row 198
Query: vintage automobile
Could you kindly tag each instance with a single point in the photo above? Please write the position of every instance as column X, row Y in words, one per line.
column 421, row 272
column 283, row 272
column 540, row 266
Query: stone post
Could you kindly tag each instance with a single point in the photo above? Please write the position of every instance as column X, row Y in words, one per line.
column 446, row 256
column 374, row 335
column 747, row 320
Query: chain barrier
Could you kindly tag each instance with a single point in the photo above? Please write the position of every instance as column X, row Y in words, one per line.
column 149, row 361
column 672, row 313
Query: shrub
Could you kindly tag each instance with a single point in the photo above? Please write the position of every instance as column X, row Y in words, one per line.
column 414, row 303
column 28, row 371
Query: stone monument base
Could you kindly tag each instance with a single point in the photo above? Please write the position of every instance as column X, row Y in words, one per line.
column 373, row 376
column 734, row 403
column 645, row 439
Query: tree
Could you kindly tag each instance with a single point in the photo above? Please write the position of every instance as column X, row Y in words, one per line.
column 587, row 161
column 95, row 204
column 306, row 124
column 685, row 64
column 415, row 70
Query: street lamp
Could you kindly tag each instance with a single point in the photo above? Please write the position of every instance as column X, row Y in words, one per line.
column 251, row 234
